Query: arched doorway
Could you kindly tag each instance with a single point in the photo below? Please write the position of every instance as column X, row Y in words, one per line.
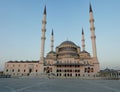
column 30, row 70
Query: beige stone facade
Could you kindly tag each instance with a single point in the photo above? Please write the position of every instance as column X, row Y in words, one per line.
column 21, row 68
column 68, row 60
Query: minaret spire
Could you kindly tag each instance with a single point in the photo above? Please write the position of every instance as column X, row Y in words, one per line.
column 52, row 33
column 82, row 31
column 43, row 36
column 44, row 10
column 83, row 40
column 93, row 37
column 52, row 40
column 90, row 8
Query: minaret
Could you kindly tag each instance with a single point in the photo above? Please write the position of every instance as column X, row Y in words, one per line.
column 52, row 40
column 43, row 36
column 83, row 40
column 93, row 37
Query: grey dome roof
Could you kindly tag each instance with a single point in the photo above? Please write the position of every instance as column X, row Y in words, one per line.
column 67, row 49
column 68, row 43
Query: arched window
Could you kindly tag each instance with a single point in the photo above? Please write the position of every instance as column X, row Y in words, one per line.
column 64, row 74
column 85, row 70
column 92, row 70
column 67, row 70
column 36, row 70
column 18, row 70
column 60, row 70
column 88, row 70
column 12, row 70
column 57, row 70
column 67, row 74
column 6, row 70
column 78, row 74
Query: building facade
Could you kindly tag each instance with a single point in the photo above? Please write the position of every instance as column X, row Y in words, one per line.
column 68, row 59
column 109, row 74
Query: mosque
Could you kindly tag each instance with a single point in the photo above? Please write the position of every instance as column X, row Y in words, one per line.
column 68, row 60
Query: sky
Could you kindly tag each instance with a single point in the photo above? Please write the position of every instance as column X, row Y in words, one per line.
column 21, row 23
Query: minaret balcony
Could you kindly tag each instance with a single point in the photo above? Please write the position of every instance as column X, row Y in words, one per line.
column 43, row 30
column 93, row 37
column 43, row 38
column 92, row 28
column 44, row 22
column 91, row 20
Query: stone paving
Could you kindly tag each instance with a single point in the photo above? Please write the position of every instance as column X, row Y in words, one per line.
column 57, row 85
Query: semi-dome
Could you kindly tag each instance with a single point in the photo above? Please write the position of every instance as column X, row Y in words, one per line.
column 84, row 54
column 51, row 54
column 84, row 51
column 68, row 49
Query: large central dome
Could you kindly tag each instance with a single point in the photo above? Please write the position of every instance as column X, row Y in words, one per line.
column 68, row 49
column 66, row 43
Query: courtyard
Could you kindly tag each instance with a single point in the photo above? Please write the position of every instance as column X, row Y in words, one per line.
column 57, row 85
